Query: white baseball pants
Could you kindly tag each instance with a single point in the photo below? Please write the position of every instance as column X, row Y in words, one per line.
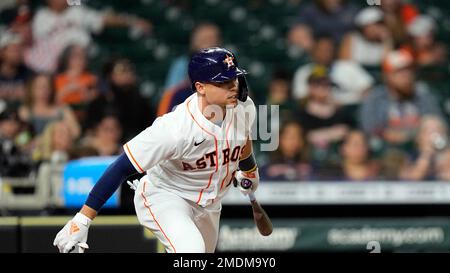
column 181, row 225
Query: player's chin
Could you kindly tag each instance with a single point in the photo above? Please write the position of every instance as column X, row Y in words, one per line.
column 231, row 103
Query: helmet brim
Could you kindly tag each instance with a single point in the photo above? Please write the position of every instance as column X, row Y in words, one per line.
column 228, row 75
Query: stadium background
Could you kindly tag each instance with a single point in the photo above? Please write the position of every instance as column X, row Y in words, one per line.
column 308, row 215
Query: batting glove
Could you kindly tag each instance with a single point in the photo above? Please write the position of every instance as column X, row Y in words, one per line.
column 73, row 236
column 252, row 176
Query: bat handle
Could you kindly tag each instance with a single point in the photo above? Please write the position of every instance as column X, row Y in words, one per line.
column 251, row 196
column 246, row 184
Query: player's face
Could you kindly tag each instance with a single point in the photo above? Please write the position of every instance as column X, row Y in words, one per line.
column 222, row 94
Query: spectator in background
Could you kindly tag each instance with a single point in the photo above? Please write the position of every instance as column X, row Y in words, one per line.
column 55, row 144
column 204, row 35
column 392, row 160
column 40, row 107
column 357, row 164
column 349, row 90
column 371, row 42
column 174, row 96
column 122, row 98
column 397, row 16
column 13, row 73
column 423, row 46
column 279, row 93
column 105, row 140
column 442, row 169
column 289, row 161
column 431, row 138
column 322, row 53
column 300, row 37
column 14, row 161
column 322, row 17
column 57, row 25
column 393, row 110
column 17, row 19
column 10, row 11
column 323, row 120
column 74, row 85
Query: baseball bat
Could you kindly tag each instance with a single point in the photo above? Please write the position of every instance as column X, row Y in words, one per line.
column 260, row 216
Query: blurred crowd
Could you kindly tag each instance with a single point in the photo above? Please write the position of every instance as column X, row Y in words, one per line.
column 337, row 121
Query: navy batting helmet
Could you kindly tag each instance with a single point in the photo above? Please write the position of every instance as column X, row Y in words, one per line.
column 218, row 65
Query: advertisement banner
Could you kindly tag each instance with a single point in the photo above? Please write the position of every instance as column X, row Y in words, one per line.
column 339, row 235
column 9, row 235
column 125, row 234
column 80, row 177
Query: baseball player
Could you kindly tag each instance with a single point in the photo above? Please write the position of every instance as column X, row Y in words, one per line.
column 190, row 156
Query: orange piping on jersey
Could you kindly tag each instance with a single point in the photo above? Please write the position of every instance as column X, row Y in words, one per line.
column 132, row 158
column 201, row 192
column 153, row 216
column 215, row 146
column 228, row 146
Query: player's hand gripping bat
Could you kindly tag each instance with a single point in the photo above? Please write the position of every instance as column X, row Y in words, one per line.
column 260, row 216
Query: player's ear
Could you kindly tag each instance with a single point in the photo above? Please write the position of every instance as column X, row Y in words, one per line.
column 200, row 87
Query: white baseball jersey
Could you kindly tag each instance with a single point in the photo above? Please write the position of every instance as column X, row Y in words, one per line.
column 186, row 154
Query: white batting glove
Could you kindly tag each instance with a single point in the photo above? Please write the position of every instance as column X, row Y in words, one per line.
column 133, row 185
column 73, row 236
column 252, row 176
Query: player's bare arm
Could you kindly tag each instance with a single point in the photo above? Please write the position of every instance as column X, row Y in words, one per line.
column 89, row 212
column 247, row 150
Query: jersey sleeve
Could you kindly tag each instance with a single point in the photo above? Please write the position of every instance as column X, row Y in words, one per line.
column 157, row 143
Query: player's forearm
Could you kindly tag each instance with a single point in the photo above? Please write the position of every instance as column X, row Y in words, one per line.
column 247, row 162
column 247, row 150
column 109, row 182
